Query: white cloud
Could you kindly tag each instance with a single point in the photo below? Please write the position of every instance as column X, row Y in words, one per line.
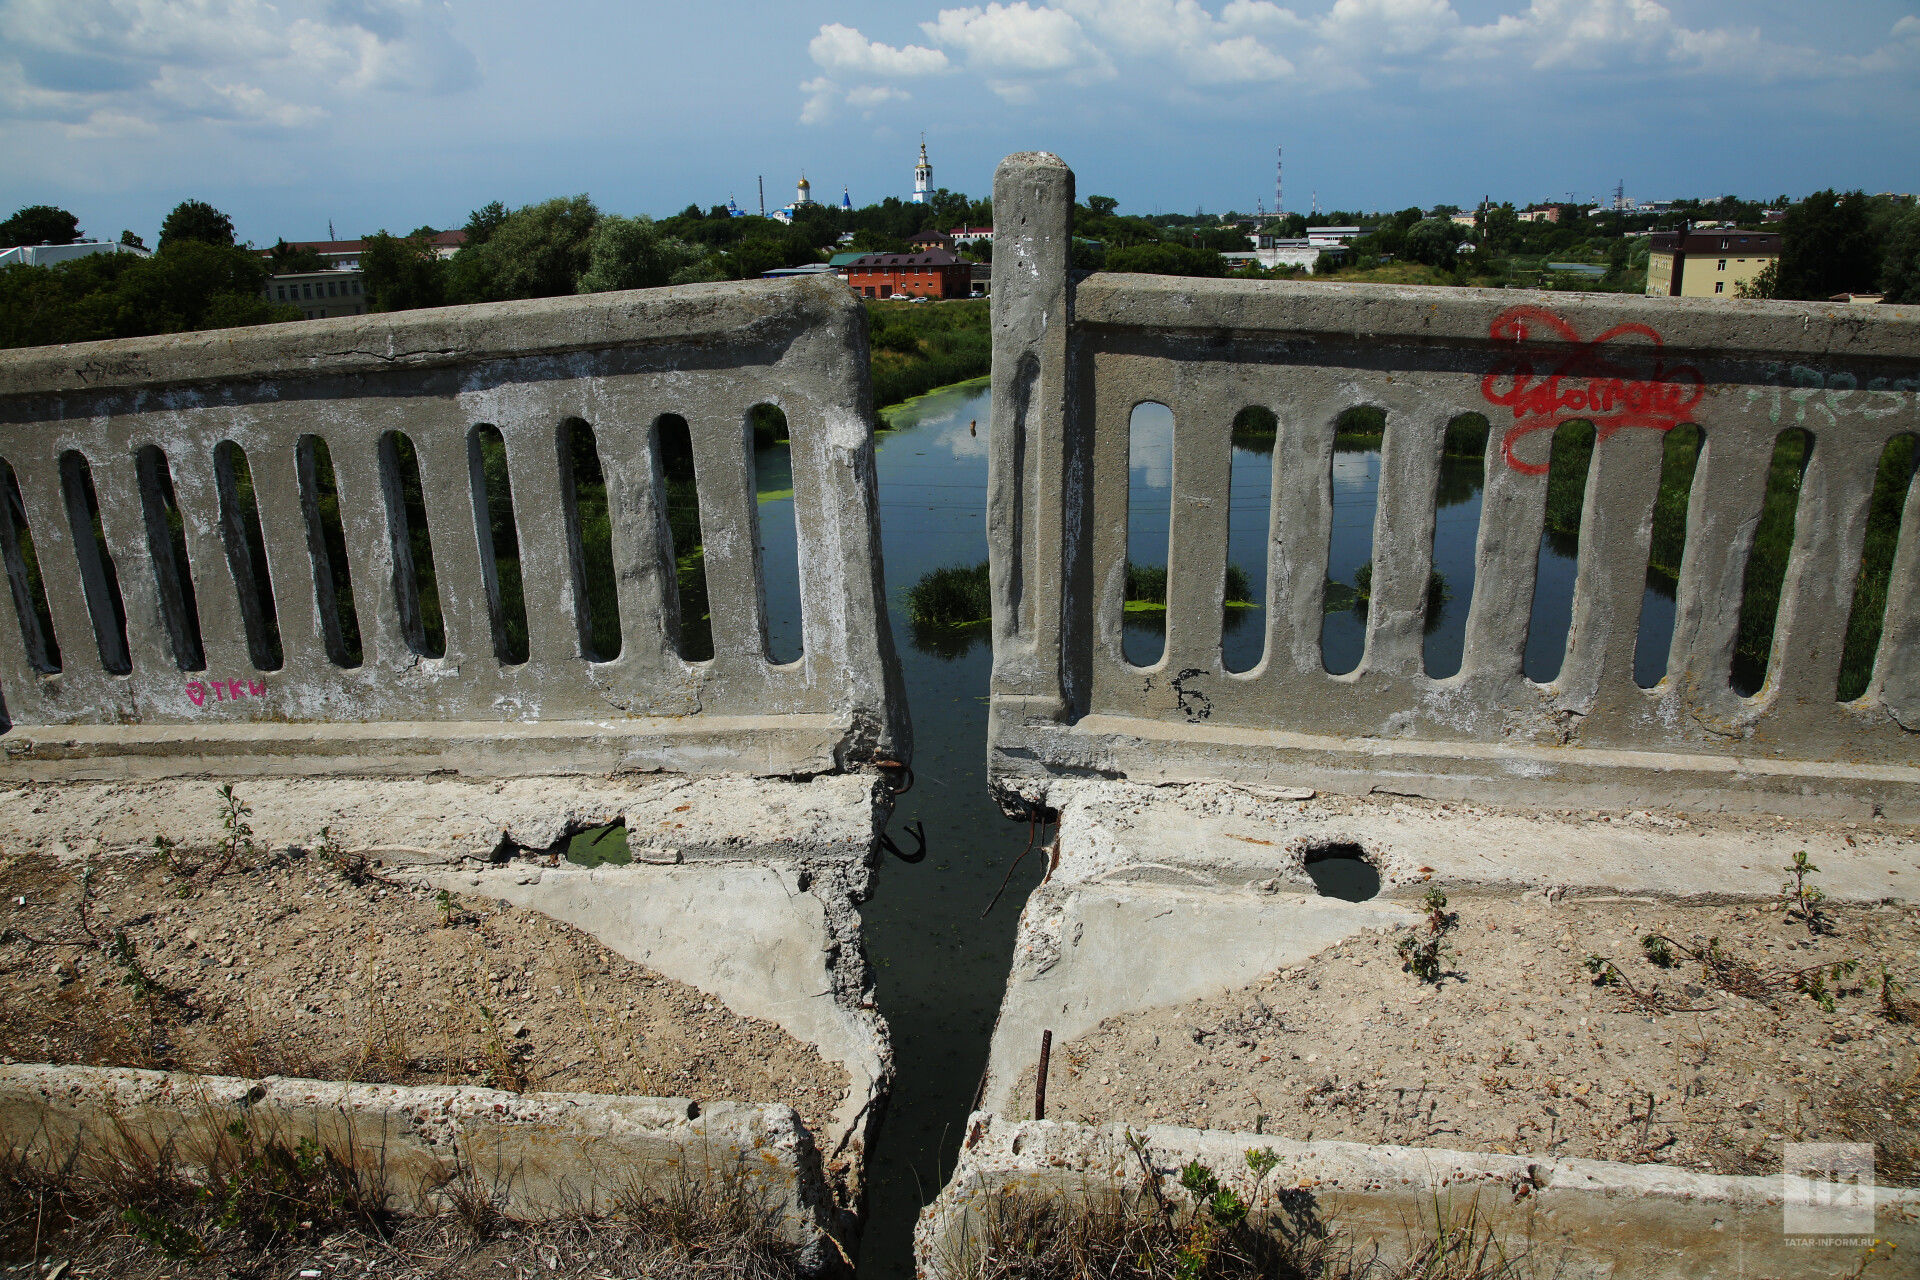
column 868, row 96
column 1019, row 39
column 842, row 50
column 114, row 67
column 1185, row 47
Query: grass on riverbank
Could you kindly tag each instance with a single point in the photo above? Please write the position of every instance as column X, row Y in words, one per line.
column 915, row 347
column 251, row 1201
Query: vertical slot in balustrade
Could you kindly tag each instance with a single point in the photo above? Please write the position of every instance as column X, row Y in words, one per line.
column 779, row 543
column 247, row 555
column 1456, row 541
column 23, row 577
column 499, row 537
column 673, row 452
column 1355, row 476
column 167, row 548
column 327, row 547
column 1767, row 560
column 1680, row 459
column 590, row 542
column 1143, row 621
column 416, row 590
column 1893, row 486
column 1249, row 523
column 1559, row 564
column 98, row 578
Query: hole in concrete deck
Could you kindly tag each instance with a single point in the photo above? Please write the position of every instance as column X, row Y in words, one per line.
column 600, row 846
column 1342, row 871
column 23, row 576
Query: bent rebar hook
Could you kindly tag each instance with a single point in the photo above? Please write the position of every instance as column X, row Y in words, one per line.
column 918, row 830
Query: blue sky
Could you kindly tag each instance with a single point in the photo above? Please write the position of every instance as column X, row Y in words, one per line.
column 394, row 113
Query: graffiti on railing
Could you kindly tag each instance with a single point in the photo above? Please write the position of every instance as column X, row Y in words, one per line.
column 1799, row 389
column 224, row 690
column 1586, row 380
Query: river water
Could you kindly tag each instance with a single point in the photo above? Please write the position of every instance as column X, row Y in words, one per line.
column 940, row 967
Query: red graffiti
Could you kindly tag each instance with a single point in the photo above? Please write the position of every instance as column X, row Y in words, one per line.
column 224, row 690
column 1583, row 382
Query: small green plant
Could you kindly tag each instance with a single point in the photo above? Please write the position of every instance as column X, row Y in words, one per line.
column 163, row 1235
column 1605, row 973
column 348, row 865
column 1659, row 951
column 1812, row 982
column 236, row 841
column 1892, row 1007
column 1262, row 1160
column 1803, row 899
column 144, row 985
column 1423, row 948
column 444, row 901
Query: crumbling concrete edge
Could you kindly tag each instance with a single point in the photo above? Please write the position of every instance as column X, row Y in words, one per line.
column 1588, row 1217
column 535, row 1155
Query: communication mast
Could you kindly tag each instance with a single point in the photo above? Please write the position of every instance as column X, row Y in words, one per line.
column 1279, row 204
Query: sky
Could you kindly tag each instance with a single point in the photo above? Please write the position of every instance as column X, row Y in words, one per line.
column 392, row 114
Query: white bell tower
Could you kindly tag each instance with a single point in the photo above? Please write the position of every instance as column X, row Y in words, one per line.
column 922, row 175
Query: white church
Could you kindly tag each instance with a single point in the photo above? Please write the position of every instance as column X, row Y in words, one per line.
column 803, row 193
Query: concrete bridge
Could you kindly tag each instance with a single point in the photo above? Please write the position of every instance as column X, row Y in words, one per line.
column 157, row 646
column 1193, row 801
column 156, row 642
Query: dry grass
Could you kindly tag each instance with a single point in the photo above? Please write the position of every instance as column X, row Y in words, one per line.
column 1203, row 1229
column 251, row 1204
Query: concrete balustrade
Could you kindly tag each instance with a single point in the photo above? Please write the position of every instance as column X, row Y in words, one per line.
column 1071, row 364
column 130, row 693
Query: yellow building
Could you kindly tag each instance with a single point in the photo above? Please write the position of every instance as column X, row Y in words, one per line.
column 1707, row 264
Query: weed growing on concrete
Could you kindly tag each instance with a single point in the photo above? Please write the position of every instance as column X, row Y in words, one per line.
column 1659, row 952
column 1801, row 898
column 1892, row 1007
column 444, row 902
column 144, row 986
column 1210, row 1233
column 1423, row 948
column 236, row 842
column 343, row 862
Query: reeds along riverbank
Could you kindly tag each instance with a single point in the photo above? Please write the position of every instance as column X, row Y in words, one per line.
column 915, row 348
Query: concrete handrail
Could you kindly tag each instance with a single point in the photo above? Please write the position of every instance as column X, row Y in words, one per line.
column 617, row 362
column 1070, row 364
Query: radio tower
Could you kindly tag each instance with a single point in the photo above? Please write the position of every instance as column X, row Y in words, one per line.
column 1279, row 205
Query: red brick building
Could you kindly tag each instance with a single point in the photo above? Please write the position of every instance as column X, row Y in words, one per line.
column 932, row 273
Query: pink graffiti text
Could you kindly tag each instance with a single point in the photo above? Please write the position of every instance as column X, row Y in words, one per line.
column 1554, row 376
column 224, row 690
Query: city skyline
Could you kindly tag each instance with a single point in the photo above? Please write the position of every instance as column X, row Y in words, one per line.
column 393, row 113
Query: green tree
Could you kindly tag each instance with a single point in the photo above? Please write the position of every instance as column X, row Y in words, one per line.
column 196, row 220
column 1434, row 241
column 483, row 222
column 39, row 224
column 127, row 237
column 1827, row 246
column 631, row 253
column 285, row 259
column 1900, row 262
column 538, row 251
column 1165, row 259
column 401, row 273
